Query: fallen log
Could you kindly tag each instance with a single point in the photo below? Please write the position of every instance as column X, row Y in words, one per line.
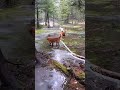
column 69, row 72
column 61, row 67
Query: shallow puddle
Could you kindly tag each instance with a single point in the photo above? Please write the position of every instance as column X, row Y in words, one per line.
column 49, row 79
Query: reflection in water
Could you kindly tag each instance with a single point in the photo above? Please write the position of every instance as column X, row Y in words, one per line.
column 47, row 79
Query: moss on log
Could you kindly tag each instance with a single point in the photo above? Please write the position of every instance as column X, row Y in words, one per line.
column 78, row 75
column 61, row 67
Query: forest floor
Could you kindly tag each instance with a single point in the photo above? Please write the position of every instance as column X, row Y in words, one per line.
column 52, row 78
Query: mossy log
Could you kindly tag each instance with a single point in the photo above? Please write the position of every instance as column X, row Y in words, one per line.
column 80, row 76
column 78, row 73
column 61, row 67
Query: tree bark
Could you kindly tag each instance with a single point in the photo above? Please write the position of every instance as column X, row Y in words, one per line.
column 48, row 22
column 67, row 20
column 37, row 18
column 45, row 18
column 53, row 20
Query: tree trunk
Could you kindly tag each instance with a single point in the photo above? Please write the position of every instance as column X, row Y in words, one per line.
column 48, row 23
column 37, row 18
column 72, row 16
column 72, row 20
column 45, row 18
column 67, row 20
column 53, row 20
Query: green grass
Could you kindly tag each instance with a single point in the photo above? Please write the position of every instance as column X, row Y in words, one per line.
column 74, row 40
column 72, row 26
column 40, row 31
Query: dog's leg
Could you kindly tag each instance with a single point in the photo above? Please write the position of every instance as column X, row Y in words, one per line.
column 56, row 43
column 52, row 44
column 49, row 44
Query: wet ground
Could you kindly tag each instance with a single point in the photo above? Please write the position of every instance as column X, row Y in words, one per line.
column 48, row 77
